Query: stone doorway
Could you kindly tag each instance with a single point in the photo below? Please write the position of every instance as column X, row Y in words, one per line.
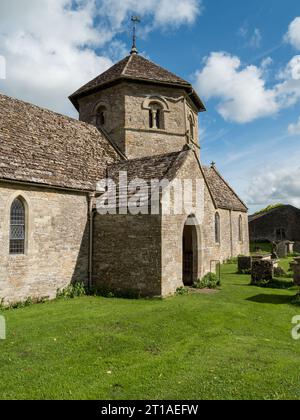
column 190, row 254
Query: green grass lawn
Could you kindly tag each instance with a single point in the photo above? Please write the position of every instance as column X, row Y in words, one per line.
column 232, row 344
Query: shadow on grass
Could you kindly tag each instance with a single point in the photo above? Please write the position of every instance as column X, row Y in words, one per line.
column 271, row 299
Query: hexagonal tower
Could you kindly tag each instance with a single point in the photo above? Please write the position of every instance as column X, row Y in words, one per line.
column 142, row 108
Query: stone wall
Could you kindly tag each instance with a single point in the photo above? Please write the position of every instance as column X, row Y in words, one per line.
column 127, row 121
column 127, row 253
column 140, row 139
column 56, row 243
column 208, row 250
column 285, row 217
column 113, row 98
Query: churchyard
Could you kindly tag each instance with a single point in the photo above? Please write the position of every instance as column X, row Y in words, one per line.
column 232, row 343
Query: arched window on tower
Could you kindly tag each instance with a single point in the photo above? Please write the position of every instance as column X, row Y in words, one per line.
column 217, row 229
column 17, row 228
column 101, row 116
column 240, row 229
column 156, row 116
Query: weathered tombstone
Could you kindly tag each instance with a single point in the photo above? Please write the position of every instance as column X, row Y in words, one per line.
column 262, row 270
column 282, row 249
column 244, row 265
column 296, row 269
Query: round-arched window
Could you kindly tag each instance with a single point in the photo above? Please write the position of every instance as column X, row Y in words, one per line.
column 101, row 116
column 156, row 116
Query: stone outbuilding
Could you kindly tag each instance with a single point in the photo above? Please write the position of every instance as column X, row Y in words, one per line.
column 136, row 119
column 282, row 223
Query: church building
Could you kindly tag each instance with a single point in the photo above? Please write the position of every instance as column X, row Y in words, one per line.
column 136, row 118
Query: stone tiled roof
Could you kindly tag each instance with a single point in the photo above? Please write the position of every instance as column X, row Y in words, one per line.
column 148, row 169
column 224, row 196
column 166, row 167
column 40, row 146
column 135, row 67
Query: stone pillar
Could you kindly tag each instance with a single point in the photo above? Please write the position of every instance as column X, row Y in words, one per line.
column 290, row 247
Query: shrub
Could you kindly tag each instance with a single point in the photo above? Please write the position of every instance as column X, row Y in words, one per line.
column 182, row 291
column 72, row 291
column 209, row 281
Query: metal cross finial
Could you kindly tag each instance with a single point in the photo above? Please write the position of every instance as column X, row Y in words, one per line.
column 134, row 20
column 213, row 164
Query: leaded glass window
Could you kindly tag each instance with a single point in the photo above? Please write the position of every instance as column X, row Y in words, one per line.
column 17, row 228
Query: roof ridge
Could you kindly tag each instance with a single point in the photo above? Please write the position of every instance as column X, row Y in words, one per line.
column 126, row 66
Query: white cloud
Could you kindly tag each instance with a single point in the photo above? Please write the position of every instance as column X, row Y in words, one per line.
column 294, row 129
column 293, row 34
column 50, row 46
column 49, row 50
column 288, row 92
column 242, row 91
column 276, row 186
column 163, row 12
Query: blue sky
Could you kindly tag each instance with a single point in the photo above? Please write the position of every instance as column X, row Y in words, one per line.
column 242, row 57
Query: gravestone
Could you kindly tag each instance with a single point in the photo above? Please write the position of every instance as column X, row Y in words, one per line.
column 244, row 265
column 262, row 270
column 282, row 249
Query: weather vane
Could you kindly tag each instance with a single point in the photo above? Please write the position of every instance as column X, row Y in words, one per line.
column 134, row 20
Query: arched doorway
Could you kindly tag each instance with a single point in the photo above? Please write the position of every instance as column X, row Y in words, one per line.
column 190, row 253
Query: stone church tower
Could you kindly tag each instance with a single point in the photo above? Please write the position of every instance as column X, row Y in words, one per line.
column 150, row 116
column 142, row 108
